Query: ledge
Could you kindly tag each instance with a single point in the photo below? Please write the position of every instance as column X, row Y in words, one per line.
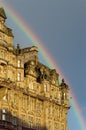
column 3, row 62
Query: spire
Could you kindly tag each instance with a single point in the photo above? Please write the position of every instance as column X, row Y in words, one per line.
column 2, row 13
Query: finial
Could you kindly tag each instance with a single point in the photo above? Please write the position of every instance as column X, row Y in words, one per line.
column 18, row 46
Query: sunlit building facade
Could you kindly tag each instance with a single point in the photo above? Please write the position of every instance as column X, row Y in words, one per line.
column 30, row 95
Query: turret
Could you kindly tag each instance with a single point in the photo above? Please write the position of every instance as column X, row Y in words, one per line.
column 2, row 16
column 64, row 93
column 6, row 35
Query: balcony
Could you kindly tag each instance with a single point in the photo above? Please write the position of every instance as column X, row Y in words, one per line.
column 7, row 83
column 23, row 128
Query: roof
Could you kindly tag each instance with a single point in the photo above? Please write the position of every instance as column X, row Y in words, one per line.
column 2, row 13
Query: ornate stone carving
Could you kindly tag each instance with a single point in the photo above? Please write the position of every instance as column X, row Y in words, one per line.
column 33, row 90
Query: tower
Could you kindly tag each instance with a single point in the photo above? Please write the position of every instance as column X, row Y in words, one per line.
column 30, row 95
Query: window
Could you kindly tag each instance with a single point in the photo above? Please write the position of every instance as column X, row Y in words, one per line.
column 49, row 125
column 19, row 63
column 62, row 127
column 56, row 112
column 1, row 54
column 38, row 107
column 59, row 97
column 64, row 95
column 15, row 98
column 23, row 102
column 23, row 120
column 45, row 87
column 55, row 126
column 14, row 119
column 49, row 109
column 30, row 121
column 31, row 86
column 19, row 76
column 38, row 124
column 31, row 103
column 4, row 114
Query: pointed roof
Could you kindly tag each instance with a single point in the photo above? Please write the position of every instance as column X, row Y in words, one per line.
column 2, row 13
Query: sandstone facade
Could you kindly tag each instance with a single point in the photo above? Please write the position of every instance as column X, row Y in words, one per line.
column 30, row 95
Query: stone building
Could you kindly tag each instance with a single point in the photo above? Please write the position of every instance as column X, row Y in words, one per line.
column 30, row 95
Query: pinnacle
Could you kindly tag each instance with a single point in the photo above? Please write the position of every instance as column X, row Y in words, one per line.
column 2, row 13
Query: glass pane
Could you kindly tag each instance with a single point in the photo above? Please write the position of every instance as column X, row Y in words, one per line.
column 3, row 117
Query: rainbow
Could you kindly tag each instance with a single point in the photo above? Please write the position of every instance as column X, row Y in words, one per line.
column 46, row 55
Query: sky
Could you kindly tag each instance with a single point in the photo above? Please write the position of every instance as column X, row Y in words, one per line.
column 61, row 27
